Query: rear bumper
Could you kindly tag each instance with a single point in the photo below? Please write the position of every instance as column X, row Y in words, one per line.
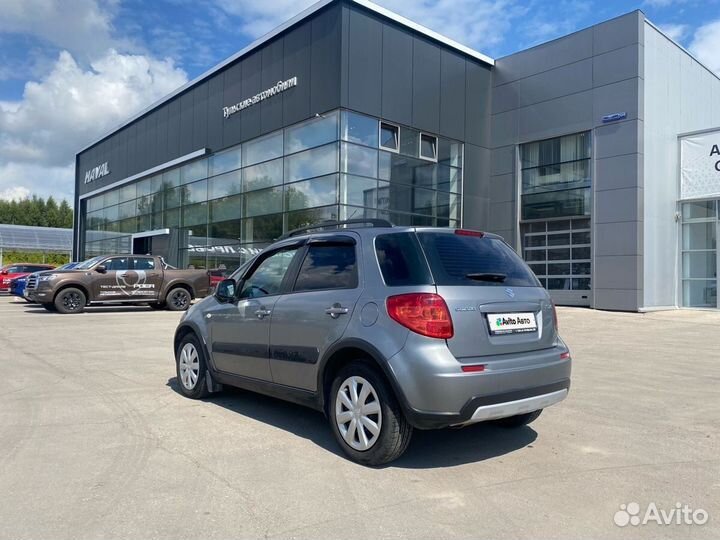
column 492, row 407
column 435, row 392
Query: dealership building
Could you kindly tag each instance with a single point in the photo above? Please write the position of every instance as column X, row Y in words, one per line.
column 593, row 155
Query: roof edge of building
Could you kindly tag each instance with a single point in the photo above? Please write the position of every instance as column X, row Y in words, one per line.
column 367, row 4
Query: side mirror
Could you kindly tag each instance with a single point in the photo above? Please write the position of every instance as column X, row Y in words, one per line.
column 4, row 272
column 225, row 291
column 101, row 268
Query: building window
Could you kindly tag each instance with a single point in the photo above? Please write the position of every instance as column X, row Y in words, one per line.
column 428, row 147
column 389, row 137
column 556, row 186
column 699, row 254
column 226, row 207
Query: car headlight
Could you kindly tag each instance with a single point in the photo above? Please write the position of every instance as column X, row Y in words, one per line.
column 47, row 278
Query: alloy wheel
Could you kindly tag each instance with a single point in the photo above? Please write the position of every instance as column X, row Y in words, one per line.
column 180, row 299
column 189, row 366
column 71, row 301
column 358, row 414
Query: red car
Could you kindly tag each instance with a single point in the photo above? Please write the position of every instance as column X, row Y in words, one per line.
column 11, row 271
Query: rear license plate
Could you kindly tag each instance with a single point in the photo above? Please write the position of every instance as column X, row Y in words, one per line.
column 511, row 323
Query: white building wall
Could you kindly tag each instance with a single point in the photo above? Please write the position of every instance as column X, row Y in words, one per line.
column 681, row 96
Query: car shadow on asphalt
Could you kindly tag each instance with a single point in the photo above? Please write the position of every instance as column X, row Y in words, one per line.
column 38, row 309
column 428, row 448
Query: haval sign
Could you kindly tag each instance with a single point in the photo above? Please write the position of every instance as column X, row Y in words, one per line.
column 97, row 172
column 700, row 165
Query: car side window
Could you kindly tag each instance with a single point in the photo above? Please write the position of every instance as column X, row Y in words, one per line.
column 267, row 278
column 143, row 263
column 117, row 263
column 328, row 267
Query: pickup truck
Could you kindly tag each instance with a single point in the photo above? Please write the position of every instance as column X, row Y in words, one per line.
column 118, row 279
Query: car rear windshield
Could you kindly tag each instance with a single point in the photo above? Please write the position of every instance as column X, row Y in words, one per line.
column 457, row 259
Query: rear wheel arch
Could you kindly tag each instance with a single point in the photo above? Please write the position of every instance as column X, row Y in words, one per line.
column 174, row 285
column 342, row 354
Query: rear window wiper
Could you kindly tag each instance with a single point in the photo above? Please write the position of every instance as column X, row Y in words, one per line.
column 487, row 276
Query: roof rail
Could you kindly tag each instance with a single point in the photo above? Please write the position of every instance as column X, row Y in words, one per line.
column 336, row 224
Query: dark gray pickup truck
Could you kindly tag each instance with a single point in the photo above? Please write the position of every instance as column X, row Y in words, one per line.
column 118, row 279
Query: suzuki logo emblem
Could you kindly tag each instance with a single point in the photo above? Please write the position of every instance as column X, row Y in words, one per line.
column 510, row 292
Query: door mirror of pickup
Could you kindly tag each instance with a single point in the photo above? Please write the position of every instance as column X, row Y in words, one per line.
column 225, row 291
column 101, row 268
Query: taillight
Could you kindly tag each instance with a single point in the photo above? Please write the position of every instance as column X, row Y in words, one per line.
column 565, row 355
column 424, row 313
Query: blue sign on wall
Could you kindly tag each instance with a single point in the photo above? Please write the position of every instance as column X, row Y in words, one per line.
column 614, row 117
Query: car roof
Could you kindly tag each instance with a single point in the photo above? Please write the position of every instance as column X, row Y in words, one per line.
column 371, row 232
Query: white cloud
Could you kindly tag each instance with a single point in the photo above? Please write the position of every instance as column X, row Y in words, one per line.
column 14, row 193
column 705, row 45
column 476, row 23
column 676, row 32
column 58, row 115
column 83, row 27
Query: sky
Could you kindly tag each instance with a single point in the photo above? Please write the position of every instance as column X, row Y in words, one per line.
column 71, row 70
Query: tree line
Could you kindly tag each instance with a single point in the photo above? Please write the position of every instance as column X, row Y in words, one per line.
column 37, row 212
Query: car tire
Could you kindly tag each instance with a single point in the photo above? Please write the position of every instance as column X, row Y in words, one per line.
column 361, row 386
column 70, row 300
column 50, row 307
column 178, row 299
column 190, row 367
column 519, row 420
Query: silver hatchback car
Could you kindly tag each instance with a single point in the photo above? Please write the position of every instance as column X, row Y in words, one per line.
column 384, row 329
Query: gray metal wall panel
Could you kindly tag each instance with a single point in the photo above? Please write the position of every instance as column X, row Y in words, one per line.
column 271, row 110
column 141, row 148
column 617, row 65
column 174, row 129
column 152, row 136
column 397, row 62
column 364, row 63
column 477, row 103
column 618, row 172
column 502, row 188
column 476, row 171
column 618, row 205
column 476, row 212
column 567, row 114
column 624, row 96
column 623, row 238
column 186, row 123
column 618, row 272
column 618, row 32
column 162, row 136
column 562, row 81
column 296, row 101
column 452, row 95
column 232, row 94
column 426, row 85
column 325, row 61
column 251, row 84
column 502, row 215
column 617, row 299
column 215, row 115
column 502, row 160
column 618, row 139
column 200, row 117
column 544, row 57
column 131, row 149
column 120, row 167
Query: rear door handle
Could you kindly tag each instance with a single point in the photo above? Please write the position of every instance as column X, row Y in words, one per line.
column 262, row 312
column 336, row 310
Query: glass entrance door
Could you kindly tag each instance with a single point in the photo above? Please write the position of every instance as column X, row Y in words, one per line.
column 700, row 231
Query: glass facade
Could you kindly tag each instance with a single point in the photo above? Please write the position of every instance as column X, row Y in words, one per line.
column 555, row 210
column 223, row 208
column 700, row 227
